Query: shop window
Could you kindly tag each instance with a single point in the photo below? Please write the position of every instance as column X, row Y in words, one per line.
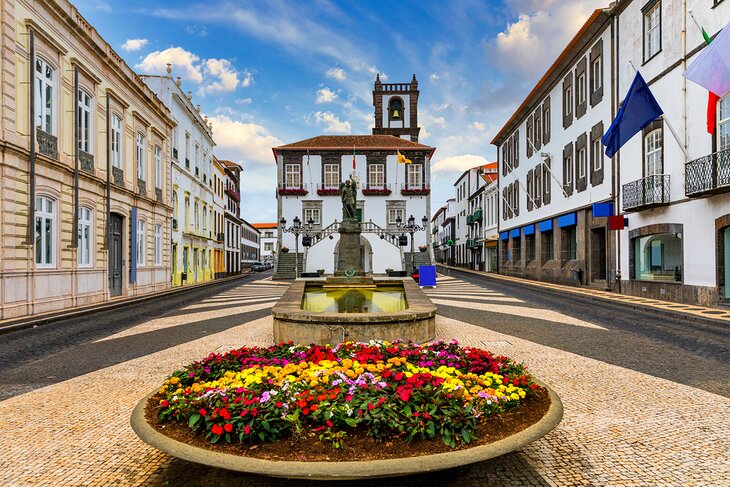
column 569, row 238
column 546, row 240
column 658, row 257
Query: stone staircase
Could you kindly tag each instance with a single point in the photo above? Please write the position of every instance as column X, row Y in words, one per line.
column 421, row 258
column 285, row 266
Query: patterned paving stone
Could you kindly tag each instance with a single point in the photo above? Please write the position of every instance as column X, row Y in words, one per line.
column 621, row 426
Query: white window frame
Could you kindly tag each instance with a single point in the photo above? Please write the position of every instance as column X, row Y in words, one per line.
column 45, row 96
column 158, row 245
column 158, row 166
column 45, row 216
column 581, row 89
column 596, row 79
column 568, row 101
column 570, row 168
column 117, row 131
column 332, row 176
column 187, row 212
column 314, row 214
column 85, row 120
column 140, row 153
column 205, row 218
column 597, row 154
column 293, row 176
column 376, row 176
column 414, row 176
column 175, row 145
column 141, row 239
column 187, row 148
column 394, row 213
column 723, row 124
column 652, row 31
column 653, row 152
column 85, row 236
column 582, row 162
column 196, row 215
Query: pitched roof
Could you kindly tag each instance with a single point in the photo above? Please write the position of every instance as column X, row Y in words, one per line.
column 264, row 225
column 595, row 22
column 230, row 164
column 387, row 142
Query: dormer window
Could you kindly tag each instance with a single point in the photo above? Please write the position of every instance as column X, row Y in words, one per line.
column 395, row 108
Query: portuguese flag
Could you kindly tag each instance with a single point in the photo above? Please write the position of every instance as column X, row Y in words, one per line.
column 711, row 98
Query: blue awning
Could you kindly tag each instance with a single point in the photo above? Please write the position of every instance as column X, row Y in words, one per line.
column 546, row 226
column 568, row 220
column 529, row 230
column 602, row 209
column 514, row 233
column 504, row 235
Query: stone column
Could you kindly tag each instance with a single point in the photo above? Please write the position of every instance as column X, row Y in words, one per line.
column 349, row 249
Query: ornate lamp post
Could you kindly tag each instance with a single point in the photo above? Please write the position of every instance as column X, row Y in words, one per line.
column 412, row 228
column 296, row 229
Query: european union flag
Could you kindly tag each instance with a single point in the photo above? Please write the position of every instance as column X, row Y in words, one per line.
column 638, row 110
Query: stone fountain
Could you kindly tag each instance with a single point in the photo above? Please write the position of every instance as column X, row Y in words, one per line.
column 352, row 306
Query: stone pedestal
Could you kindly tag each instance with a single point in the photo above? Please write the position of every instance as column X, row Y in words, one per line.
column 349, row 262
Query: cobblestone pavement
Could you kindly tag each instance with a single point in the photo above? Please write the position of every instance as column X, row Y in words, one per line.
column 622, row 426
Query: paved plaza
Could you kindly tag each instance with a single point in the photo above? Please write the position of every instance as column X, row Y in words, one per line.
column 647, row 400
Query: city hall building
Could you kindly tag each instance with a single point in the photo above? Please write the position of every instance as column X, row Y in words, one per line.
column 310, row 171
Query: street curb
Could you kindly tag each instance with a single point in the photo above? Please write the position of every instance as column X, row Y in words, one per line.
column 31, row 321
column 347, row 470
column 526, row 283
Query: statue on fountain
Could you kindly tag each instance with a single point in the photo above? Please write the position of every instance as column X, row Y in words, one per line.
column 348, row 193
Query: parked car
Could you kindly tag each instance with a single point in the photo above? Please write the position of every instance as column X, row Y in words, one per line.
column 258, row 267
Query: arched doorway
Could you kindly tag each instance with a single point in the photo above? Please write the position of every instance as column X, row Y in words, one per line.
column 366, row 254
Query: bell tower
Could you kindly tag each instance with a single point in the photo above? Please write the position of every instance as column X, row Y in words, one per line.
column 396, row 109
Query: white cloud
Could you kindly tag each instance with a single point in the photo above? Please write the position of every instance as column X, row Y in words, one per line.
column 247, row 79
column 134, row 44
column 325, row 95
column 336, row 74
column 223, row 72
column 332, row 124
column 244, row 101
column 434, row 77
column 243, row 141
column 478, row 126
column 458, row 163
column 184, row 63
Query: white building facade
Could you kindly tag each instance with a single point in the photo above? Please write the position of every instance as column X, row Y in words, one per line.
column 677, row 243
column 192, row 183
column 556, row 184
column 490, row 217
column 250, row 245
column 232, row 217
column 269, row 240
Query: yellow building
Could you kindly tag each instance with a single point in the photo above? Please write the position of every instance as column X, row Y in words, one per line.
column 219, row 256
column 85, row 213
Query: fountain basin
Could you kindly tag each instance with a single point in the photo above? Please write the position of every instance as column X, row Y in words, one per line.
column 384, row 309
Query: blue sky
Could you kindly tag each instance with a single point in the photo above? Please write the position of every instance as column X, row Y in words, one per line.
column 273, row 72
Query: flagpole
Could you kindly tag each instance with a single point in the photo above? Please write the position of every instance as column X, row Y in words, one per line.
column 669, row 125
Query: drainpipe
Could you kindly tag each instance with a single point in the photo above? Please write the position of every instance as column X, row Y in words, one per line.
column 684, row 80
column 108, row 171
column 31, row 119
column 75, row 236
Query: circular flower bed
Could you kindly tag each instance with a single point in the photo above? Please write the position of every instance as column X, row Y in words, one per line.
column 383, row 391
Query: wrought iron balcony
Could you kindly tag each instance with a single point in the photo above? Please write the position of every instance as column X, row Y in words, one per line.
column 300, row 190
column 708, row 175
column 327, row 190
column 645, row 193
column 86, row 162
column 232, row 192
column 477, row 215
column 47, row 143
column 419, row 190
column 381, row 190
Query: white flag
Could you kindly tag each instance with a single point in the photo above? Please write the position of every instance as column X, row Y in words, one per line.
column 711, row 69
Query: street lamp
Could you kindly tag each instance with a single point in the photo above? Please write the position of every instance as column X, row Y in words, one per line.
column 295, row 229
column 411, row 228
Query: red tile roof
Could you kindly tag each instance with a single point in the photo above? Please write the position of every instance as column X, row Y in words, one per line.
column 264, row 225
column 386, row 142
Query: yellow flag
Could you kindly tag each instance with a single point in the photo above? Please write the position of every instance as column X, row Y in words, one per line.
column 402, row 159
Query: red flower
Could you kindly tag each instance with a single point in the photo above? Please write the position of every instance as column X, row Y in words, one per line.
column 399, row 376
column 217, row 430
column 225, row 414
column 246, row 429
column 305, row 411
column 314, row 407
column 370, row 406
column 329, row 423
column 533, row 386
column 254, row 411
column 279, row 404
column 202, row 412
column 228, row 427
column 416, row 414
column 164, row 403
column 426, row 416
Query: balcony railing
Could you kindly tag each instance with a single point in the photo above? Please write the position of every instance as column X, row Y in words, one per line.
column 381, row 190
column 233, row 192
column 293, row 190
column 708, row 175
column 86, row 162
column 473, row 243
column 477, row 215
column 419, row 190
column 469, row 220
column 645, row 193
column 327, row 190
column 47, row 144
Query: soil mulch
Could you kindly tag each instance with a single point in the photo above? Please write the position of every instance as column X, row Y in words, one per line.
column 358, row 446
